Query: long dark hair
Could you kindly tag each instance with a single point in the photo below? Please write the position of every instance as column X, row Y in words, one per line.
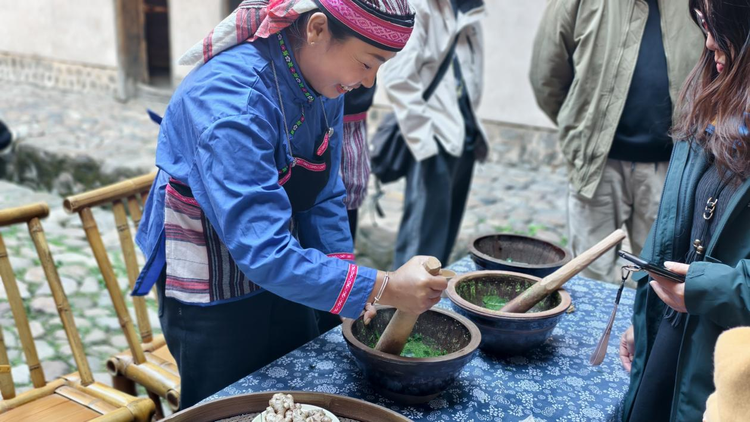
column 721, row 99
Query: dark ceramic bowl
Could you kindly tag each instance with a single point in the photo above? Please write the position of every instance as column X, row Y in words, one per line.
column 505, row 333
column 243, row 407
column 413, row 380
column 522, row 254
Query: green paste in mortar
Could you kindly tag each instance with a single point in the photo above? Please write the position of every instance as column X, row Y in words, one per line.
column 491, row 300
column 416, row 347
column 494, row 302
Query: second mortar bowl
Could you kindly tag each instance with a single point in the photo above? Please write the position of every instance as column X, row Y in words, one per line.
column 506, row 333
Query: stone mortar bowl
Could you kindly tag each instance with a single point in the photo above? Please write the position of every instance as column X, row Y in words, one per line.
column 505, row 333
column 523, row 254
column 411, row 380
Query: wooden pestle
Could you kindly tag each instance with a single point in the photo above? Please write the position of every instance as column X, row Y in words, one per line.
column 399, row 329
column 554, row 281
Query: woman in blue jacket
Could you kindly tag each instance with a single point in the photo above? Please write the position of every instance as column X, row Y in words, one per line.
column 245, row 229
column 702, row 230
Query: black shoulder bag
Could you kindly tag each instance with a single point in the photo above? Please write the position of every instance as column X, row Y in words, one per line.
column 389, row 155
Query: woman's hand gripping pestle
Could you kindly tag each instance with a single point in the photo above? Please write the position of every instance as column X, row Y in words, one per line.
column 554, row 281
column 399, row 329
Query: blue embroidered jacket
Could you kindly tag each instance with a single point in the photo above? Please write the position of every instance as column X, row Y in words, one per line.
column 223, row 136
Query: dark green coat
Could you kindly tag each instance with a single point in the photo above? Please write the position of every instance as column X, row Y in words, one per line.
column 717, row 290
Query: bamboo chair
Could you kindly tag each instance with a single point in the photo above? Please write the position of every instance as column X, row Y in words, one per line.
column 75, row 397
column 147, row 361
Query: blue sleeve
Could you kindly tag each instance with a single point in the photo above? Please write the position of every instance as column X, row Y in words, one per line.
column 325, row 226
column 234, row 178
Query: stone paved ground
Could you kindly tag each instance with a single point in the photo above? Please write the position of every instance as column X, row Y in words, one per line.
column 502, row 199
column 80, row 136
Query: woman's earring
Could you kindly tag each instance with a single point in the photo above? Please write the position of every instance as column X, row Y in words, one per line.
column 312, row 43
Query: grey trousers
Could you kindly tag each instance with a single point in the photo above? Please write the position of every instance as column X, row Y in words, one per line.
column 434, row 203
column 629, row 195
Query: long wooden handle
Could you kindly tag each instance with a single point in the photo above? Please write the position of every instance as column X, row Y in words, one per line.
column 399, row 329
column 554, row 281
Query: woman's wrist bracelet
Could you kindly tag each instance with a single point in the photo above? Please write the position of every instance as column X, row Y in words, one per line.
column 382, row 288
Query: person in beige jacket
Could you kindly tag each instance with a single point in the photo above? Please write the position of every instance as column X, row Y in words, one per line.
column 443, row 134
column 607, row 72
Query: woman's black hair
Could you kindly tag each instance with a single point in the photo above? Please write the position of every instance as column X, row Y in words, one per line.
column 722, row 99
column 339, row 32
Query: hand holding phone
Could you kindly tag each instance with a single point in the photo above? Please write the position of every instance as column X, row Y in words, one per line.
column 652, row 267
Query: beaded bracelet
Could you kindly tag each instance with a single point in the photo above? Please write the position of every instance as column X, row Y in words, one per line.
column 382, row 288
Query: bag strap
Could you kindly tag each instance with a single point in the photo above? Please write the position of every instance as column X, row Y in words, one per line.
column 441, row 70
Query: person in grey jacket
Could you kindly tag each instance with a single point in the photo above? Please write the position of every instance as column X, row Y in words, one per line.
column 443, row 134
column 608, row 72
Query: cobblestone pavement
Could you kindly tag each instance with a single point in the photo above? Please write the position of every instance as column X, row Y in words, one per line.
column 502, row 199
column 506, row 198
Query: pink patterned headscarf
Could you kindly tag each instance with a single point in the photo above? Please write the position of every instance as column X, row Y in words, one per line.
column 386, row 24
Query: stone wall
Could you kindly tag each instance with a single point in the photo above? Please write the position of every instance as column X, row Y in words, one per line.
column 56, row 74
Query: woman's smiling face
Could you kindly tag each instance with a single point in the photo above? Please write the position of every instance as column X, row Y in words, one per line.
column 333, row 67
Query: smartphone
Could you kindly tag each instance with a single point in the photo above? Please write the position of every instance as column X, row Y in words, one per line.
column 652, row 267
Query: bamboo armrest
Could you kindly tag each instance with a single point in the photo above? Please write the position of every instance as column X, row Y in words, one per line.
column 110, row 193
column 140, row 409
column 23, row 214
column 94, row 403
column 31, row 395
column 51, row 408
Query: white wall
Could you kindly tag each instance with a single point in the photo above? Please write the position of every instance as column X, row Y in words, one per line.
column 84, row 31
column 509, row 33
column 68, row 30
column 189, row 22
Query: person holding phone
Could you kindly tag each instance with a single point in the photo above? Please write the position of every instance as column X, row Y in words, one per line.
column 652, row 267
column 702, row 230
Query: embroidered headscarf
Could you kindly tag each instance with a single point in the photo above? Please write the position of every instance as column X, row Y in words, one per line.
column 386, row 24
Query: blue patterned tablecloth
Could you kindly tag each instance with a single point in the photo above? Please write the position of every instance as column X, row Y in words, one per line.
column 552, row 383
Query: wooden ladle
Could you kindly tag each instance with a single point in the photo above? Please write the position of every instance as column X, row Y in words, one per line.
column 399, row 329
column 554, row 281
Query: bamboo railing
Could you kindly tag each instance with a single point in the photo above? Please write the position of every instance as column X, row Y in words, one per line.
column 110, row 280
column 159, row 377
column 128, row 190
column 61, row 300
column 19, row 316
column 80, row 387
column 131, row 265
column 7, row 390
column 11, row 216
column 137, row 186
